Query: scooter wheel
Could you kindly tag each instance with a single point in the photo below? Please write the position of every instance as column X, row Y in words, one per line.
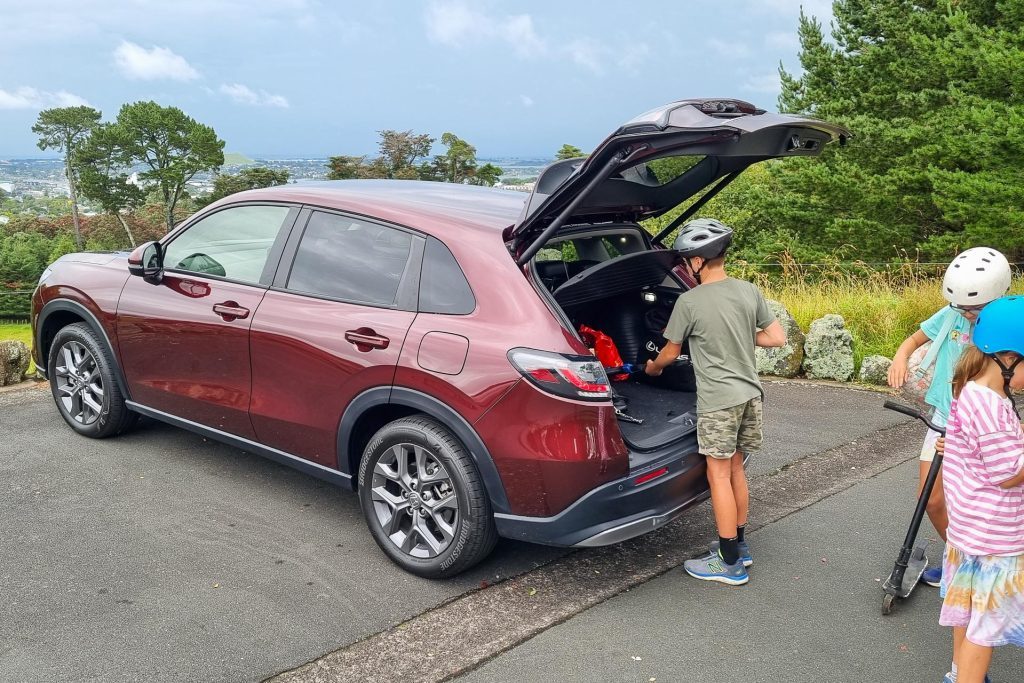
column 888, row 602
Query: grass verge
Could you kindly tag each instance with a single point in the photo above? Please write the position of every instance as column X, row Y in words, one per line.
column 18, row 332
column 880, row 309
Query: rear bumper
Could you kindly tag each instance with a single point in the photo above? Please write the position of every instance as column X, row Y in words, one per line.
column 620, row 509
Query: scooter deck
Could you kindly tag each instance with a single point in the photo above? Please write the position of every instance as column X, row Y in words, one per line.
column 912, row 576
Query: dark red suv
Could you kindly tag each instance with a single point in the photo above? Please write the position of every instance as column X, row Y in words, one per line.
column 420, row 342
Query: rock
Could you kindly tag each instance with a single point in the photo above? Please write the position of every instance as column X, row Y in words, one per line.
column 875, row 370
column 828, row 350
column 784, row 361
column 14, row 358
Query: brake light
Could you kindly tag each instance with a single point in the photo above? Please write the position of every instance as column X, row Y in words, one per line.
column 577, row 377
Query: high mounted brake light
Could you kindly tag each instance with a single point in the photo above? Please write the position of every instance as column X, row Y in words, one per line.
column 577, row 377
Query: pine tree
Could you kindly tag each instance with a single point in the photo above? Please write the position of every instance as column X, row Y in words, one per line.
column 934, row 93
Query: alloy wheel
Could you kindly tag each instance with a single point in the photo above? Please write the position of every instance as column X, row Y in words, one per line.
column 79, row 383
column 414, row 500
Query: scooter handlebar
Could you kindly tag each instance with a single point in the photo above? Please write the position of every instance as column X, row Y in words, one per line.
column 914, row 413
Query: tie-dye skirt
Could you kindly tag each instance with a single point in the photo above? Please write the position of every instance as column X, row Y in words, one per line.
column 984, row 594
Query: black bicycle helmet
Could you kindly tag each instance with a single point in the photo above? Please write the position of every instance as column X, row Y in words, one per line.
column 704, row 237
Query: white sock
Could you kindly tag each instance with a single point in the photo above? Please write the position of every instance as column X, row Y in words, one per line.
column 953, row 671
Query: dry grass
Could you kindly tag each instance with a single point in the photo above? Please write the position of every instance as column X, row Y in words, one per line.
column 881, row 308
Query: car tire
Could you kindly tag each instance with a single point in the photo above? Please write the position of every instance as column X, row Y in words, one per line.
column 430, row 515
column 83, row 384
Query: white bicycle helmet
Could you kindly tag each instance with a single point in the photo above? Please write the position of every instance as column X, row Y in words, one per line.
column 704, row 237
column 976, row 277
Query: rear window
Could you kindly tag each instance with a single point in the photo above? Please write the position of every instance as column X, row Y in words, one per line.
column 443, row 285
column 661, row 171
column 352, row 260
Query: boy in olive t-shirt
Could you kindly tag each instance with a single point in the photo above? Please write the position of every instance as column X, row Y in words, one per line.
column 724, row 319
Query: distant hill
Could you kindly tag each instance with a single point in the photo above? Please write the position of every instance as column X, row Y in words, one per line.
column 236, row 159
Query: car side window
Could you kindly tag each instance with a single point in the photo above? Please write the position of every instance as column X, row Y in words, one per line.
column 443, row 286
column 233, row 243
column 349, row 259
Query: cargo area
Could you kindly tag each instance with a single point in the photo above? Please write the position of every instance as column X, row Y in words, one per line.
column 629, row 298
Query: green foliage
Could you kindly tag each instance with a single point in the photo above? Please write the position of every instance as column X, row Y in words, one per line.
column 173, row 146
column 458, row 163
column 569, row 152
column 934, row 93
column 225, row 184
column 399, row 153
column 104, row 164
column 64, row 129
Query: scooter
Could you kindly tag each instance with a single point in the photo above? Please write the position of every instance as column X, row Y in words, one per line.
column 912, row 560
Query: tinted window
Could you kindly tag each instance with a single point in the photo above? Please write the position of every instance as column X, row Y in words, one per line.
column 348, row 259
column 443, row 286
column 233, row 243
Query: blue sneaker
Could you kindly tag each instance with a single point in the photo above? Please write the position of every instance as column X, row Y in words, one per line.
column 948, row 678
column 713, row 568
column 932, row 576
column 744, row 552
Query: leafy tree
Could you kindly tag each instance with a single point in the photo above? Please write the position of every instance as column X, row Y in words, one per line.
column 104, row 167
column 488, row 174
column 346, row 167
column 173, row 146
column 569, row 152
column 458, row 164
column 64, row 128
column 399, row 152
column 225, row 184
column 934, row 93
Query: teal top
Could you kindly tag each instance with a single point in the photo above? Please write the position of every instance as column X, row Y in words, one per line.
column 940, row 393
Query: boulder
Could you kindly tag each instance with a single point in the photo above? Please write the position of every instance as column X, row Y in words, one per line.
column 875, row 370
column 828, row 349
column 784, row 361
column 14, row 359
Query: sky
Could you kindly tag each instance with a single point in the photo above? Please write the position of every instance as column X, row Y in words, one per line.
column 310, row 78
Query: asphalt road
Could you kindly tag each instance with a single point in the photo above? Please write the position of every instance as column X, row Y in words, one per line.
column 811, row 612
column 159, row 555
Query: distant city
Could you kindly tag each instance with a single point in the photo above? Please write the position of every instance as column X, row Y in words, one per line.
column 38, row 178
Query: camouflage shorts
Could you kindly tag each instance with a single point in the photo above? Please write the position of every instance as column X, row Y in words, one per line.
column 720, row 433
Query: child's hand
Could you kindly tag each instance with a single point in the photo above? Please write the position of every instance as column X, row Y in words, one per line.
column 651, row 369
column 897, row 373
column 940, row 446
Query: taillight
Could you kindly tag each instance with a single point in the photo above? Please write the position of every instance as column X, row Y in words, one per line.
column 578, row 377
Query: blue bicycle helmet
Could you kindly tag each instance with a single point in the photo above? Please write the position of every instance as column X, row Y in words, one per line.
column 1000, row 326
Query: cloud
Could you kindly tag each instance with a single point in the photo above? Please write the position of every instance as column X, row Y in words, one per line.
column 726, row 48
column 526, row 100
column 457, row 24
column 782, row 40
column 138, row 63
column 634, row 55
column 586, row 53
column 245, row 95
column 763, row 83
column 31, row 98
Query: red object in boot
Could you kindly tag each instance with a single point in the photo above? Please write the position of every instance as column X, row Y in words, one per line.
column 604, row 348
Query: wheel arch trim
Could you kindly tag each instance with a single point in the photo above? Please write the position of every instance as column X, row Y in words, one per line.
column 93, row 322
column 431, row 407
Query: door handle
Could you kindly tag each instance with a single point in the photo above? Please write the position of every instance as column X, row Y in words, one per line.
column 366, row 339
column 230, row 310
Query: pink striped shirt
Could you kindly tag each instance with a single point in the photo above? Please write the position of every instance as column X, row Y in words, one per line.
column 984, row 447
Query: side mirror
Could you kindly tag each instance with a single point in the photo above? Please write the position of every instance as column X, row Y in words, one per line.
column 147, row 262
